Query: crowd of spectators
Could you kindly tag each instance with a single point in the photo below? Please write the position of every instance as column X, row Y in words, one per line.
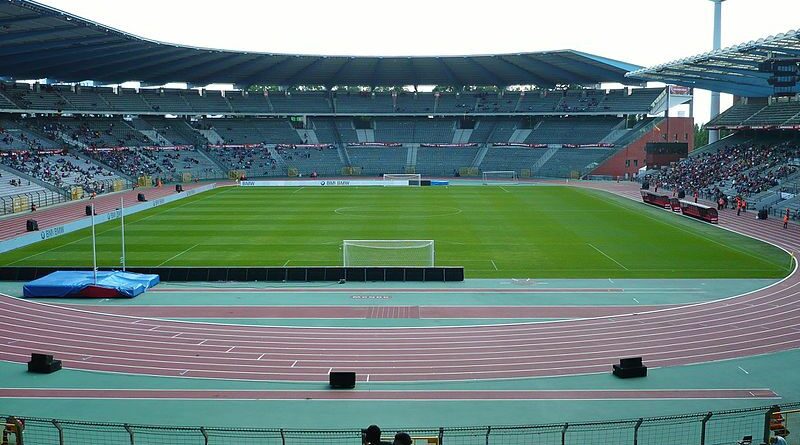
column 63, row 171
column 743, row 170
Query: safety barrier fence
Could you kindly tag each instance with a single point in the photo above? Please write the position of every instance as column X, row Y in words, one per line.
column 710, row 428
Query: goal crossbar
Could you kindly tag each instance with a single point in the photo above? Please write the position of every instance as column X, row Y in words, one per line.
column 388, row 253
column 500, row 176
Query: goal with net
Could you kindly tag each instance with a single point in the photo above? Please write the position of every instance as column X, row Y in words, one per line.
column 388, row 253
column 413, row 179
column 500, row 177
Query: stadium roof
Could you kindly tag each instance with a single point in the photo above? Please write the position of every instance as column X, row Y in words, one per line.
column 729, row 70
column 37, row 42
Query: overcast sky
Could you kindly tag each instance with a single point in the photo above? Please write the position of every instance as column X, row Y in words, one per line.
column 643, row 32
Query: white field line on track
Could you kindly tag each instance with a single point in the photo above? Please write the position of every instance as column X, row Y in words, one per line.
column 249, row 332
column 495, row 265
column 415, row 354
column 176, row 256
column 114, row 228
column 295, row 362
column 744, row 370
column 606, row 255
column 637, row 301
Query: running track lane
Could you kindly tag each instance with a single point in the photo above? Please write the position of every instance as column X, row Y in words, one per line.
column 691, row 334
column 359, row 312
column 131, row 394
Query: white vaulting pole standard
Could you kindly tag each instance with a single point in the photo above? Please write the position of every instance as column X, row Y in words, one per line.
column 122, row 222
column 94, row 249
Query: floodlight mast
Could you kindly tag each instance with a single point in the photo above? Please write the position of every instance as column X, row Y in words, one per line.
column 713, row 135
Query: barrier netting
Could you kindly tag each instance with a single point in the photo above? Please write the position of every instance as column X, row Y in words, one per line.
column 710, row 428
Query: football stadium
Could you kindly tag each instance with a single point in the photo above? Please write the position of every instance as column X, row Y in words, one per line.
column 497, row 249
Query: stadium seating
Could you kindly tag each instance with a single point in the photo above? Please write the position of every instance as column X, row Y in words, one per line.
column 436, row 161
column 377, row 161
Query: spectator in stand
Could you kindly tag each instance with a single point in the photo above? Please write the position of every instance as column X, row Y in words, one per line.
column 372, row 436
column 402, row 438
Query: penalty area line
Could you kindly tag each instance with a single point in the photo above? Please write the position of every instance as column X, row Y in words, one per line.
column 176, row 256
column 605, row 255
column 495, row 265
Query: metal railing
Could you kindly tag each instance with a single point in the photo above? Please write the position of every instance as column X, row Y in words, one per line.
column 41, row 198
column 709, row 428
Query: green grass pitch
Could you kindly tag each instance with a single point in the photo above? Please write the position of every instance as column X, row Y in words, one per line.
column 494, row 232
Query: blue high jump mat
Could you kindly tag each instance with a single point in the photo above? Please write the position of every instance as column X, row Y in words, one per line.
column 81, row 284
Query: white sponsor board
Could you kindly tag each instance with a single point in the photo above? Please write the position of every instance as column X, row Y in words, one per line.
column 326, row 183
column 52, row 232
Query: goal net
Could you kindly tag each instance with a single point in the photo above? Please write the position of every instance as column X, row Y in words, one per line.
column 500, row 177
column 388, row 253
column 413, row 179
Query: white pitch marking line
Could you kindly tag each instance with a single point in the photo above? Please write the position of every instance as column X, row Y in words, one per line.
column 744, row 370
column 612, row 259
column 495, row 265
column 104, row 300
column 295, row 362
column 611, row 281
column 153, row 328
column 504, row 189
column 287, row 262
column 301, row 188
column 176, row 256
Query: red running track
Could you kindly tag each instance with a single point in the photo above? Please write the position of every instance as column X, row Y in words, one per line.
column 61, row 214
column 697, row 333
column 359, row 312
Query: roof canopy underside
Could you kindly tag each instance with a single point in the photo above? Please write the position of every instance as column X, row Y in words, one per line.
column 729, row 70
column 37, row 41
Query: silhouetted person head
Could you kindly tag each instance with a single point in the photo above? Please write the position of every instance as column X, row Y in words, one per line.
column 402, row 438
column 372, row 435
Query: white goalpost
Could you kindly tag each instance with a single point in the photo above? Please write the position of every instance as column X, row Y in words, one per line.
column 500, row 177
column 388, row 253
column 413, row 179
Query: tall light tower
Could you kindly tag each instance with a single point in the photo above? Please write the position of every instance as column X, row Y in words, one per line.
column 713, row 135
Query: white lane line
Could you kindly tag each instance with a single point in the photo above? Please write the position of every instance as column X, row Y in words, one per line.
column 744, row 370
column 495, row 265
column 183, row 372
column 200, row 344
column 612, row 259
column 287, row 262
column 153, row 328
column 261, row 356
column 611, row 281
column 176, row 335
column 367, row 377
column 295, row 362
column 230, row 349
column 176, row 256
column 330, row 370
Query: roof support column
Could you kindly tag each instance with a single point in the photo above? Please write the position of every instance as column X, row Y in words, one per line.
column 713, row 135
